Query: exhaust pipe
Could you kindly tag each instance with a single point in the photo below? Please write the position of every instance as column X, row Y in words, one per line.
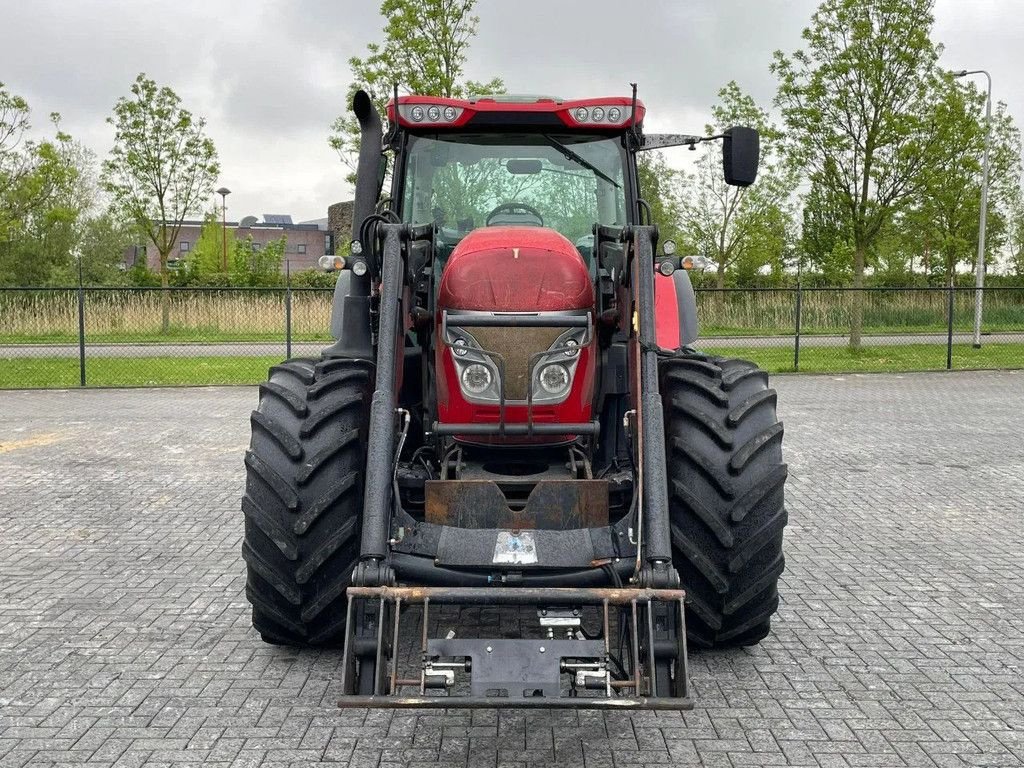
column 350, row 311
column 368, row 171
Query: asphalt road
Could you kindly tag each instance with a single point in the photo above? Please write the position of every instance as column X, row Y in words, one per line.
column 125, row 637
column 271, row 348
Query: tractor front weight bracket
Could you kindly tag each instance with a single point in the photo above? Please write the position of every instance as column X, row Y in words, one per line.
column 636, row 658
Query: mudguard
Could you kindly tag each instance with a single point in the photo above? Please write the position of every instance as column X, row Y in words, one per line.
column 675, row 310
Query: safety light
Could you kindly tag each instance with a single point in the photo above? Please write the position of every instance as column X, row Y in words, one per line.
column 433, row 114
column 416, row 113
column 331, row 263
column 669, row 247
column 694, row 262
column 359, row 268
column 667, row 267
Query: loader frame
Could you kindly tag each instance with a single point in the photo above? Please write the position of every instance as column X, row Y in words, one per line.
column 631, row 571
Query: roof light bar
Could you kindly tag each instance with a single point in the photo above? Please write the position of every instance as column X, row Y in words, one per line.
column 429, row 114
column 602, row 114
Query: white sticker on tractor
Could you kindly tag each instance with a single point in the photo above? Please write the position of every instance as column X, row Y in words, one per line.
column 515, row 547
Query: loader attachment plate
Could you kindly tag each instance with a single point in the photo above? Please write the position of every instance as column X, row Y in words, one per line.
column 636, row 658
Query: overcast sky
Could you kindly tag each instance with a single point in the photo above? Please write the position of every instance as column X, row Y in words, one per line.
column 270, row 75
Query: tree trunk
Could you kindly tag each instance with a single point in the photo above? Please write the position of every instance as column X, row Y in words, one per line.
column 165, row 296
column 720, row 276
column 857, row 306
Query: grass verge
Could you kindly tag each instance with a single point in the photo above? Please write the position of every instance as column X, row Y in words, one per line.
column 63, row 372
column 152, row 371
column 909, row 357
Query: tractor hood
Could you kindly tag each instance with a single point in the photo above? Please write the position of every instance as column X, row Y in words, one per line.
column 515, row 269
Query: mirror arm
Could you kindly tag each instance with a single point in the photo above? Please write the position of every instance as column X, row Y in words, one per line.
column 665, row 140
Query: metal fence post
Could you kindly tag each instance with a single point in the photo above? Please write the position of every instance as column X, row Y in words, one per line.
column 81, row 326
column 949, row 325
column 288, row 309
column 796, row 340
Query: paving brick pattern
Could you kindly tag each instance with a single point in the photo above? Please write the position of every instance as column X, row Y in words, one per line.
column 125, row 638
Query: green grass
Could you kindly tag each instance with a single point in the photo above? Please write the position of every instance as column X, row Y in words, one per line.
column 60, row 373
column 910, row 357
column 173, row 336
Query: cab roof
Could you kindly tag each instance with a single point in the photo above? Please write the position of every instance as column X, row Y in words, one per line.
column 609, row 114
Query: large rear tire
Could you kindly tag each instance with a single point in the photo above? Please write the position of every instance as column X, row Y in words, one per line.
column 726, row 486
column 304, row 497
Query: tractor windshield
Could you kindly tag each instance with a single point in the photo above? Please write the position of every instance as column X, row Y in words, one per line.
column 464, row 181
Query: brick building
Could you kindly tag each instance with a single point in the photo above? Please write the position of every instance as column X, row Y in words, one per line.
column 305, row 241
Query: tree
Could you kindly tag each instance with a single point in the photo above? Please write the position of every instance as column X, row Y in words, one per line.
column 943, row 219
column 659, row 185
column 43, row 190
column 825, row 237
column 161, row 169
column 855, row 102
column 204, row 263
column 734, row 225
column 256, row 265
column 424, row 51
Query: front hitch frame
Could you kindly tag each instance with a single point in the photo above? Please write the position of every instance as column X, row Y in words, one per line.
column 524, row 672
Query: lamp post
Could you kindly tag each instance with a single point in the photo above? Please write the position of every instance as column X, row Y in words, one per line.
column 979, row 271
column 224, row 192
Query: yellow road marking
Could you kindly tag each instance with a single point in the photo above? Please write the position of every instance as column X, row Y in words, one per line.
column 30, row 442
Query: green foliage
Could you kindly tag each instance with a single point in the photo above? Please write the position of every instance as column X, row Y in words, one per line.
column 856, row 102
column 314, row 278
column 424, row 52
column 162, row 167
column 204, row 264
column 252, row 265
column 44, row 190
column 743, row 229
column 660, row 186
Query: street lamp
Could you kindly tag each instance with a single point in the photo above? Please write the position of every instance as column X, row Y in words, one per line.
column 224, row 192
column 979, row 271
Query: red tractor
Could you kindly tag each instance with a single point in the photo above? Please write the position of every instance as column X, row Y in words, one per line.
column 512, row 414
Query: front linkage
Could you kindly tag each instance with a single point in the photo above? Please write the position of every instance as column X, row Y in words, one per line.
column 647, row 670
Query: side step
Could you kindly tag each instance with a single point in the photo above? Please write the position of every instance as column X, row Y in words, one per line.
column 644, row 668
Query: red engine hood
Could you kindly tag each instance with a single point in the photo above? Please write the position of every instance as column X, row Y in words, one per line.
column 515, row 269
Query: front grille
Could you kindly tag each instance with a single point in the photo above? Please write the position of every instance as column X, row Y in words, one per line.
column 516, row 346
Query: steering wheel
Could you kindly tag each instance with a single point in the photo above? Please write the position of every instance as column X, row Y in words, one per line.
column 515, row 208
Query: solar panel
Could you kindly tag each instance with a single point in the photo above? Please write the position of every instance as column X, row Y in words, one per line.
column 276, row 218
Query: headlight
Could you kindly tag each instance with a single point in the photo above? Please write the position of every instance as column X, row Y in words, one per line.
column 476, row 378
column 554, row 379
column 554, row 372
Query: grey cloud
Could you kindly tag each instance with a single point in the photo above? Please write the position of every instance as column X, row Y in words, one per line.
column 271, row 75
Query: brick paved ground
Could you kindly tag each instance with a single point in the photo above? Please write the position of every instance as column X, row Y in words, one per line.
column 125, row 639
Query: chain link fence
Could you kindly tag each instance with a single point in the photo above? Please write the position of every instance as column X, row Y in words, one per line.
column 849, row 330
column 84, row 336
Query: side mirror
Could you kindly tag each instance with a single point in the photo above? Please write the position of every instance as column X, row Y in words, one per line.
column 741, row 151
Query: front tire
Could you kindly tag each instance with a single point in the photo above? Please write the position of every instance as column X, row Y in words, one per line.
column 304, row 497
column 726, row 484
